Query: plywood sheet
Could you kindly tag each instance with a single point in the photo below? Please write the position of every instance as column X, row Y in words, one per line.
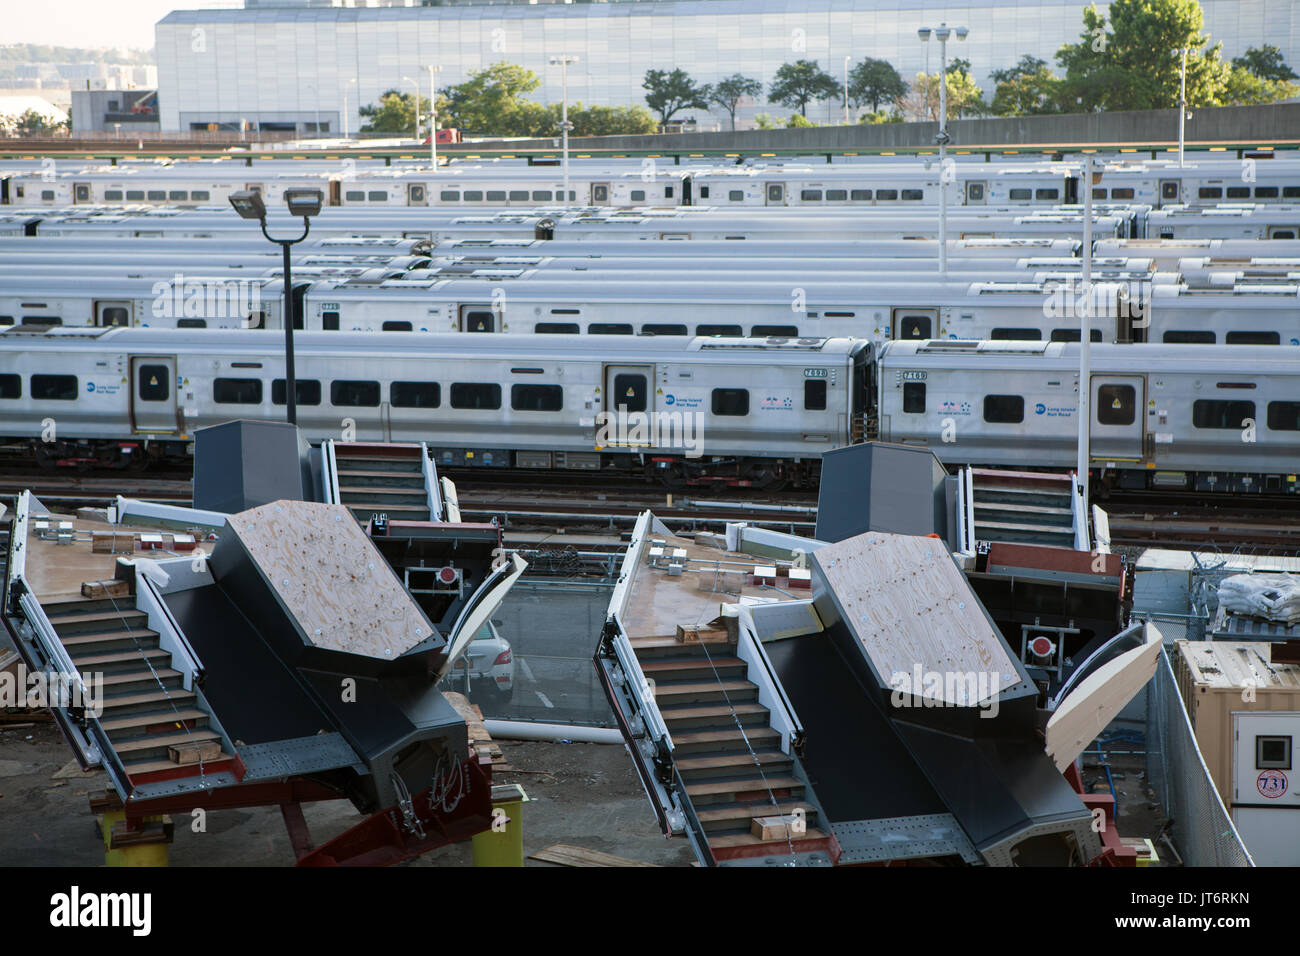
column 331, row 579
column 910, row 607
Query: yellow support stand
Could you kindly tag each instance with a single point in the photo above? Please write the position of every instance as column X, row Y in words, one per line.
column 503, row 844
column 154, row 852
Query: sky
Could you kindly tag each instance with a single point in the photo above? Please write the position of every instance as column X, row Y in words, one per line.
column 93, row 23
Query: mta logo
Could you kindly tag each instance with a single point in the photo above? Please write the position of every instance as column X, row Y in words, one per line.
column 669, row 400
column 1040, row 409
column 90, row 386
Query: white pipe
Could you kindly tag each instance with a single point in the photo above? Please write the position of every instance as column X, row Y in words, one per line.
column 528, row 730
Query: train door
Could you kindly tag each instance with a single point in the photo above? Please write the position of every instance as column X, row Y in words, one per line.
column 336, row 192
column 1118, row 417
column 153, row 395
column 629, row 390
column 478, row 318
column 775, row 194
column 600, row 194
column 976, row 192
column 1170, row 192
column 417, row 194
column 688, row 191
column 914, row 324
column 1071, row 190
column 82, row 193
column 112, row 312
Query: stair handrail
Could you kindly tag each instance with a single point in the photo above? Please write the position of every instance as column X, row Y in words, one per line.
column 17, row 565
column 1079, row 515
column 329, row 473
column 968, row 495
column 168, row 628
column 49, row 642
column 779, row 704
column 432, row 487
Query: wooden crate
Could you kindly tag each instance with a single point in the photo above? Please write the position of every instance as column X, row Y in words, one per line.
column 700, row 634
column 185, row 754
column 105, row 589
column 786, row 826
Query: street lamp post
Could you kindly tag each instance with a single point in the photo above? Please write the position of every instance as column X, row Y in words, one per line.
column 301, row 202
column 563, row 61
column 941, row 33
column 433, row 117
column 347, row 132
column 847, row 58
column 1182, row 103
column 416, row 84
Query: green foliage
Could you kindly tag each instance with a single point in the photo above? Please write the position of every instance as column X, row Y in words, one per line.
column 1245, row 88
column 880, row 116
column 44, row 53
column 797, row 84
column 490, row 102
column 729, row 92
column 32, row 123
column 1265, row 62
column 394, row 113
column 873, row 82
column 798, row 121
column 922, row 99
column 1027, row 89
column 764, row 121
column 959, row 64
column 670, row 93
column 1131, row 62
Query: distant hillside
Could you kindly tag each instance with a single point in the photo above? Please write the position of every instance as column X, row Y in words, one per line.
column 11, row 53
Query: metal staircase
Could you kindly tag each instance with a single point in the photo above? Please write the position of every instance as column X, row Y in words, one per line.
column 1023, row 507
column 396, row 480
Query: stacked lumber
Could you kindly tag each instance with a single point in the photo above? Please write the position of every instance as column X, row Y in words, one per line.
column 566, row 855
column 479, row 741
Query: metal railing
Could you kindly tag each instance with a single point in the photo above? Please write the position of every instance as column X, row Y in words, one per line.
column 432, row 486
column 329, row 473
column 1079, row 514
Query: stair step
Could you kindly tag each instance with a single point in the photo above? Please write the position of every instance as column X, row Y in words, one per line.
column 734, row 787
column 1020, row 508
column 165, row 740
column 143, row 635
column 382, row 473
column 130, row 677
column 1017, row 526
column 173, row 695
column 119, row 657
column 106, row 605
column 705, row 715
column 716, row 740
column 733, row 690
column 740, row 814
column 659, row 648
column 726, row 846
column 142, row 767
column 733, row 763
column 68, row 623
column 151, row 718
column 674, row 669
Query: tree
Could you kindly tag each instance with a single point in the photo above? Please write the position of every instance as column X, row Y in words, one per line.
column 489, row 102
column 798, row 121
column 1132, row 62
column 394, row 113
column 670, row 93
column 959, row 64
column 1266, row 63
column 875, row 81
column 1027, row 89
column 922, row 98
column 32, row 123
column 729, row 92
column 797, row 84
column 1245, row 88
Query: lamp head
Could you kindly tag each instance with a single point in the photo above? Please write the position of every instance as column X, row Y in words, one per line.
column 961, row 32
column 304, row 202
column 924, row 34
column 248, row 203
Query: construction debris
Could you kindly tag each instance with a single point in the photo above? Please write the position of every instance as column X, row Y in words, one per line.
column 566, row 855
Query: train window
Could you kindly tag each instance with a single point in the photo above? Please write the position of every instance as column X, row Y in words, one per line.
column 112, row 195
column 134, row 194
column 638, row 195
column 1282, row 416
column 536, row 398
column 1210, row 192
column 600, row 193
column 191, row 323
column 6, row 320
column 257, row 320
column 543, row 195
column 810, row 195
column 479, row 321
column 1252, row 338
column 200, row 195
column 1265, row 192
column 630, row 392
column 731, row 401
column 1072, row 335
column 396, row 325
column 1017, row 335
column 496, row 195
column 554, row 328
column 1187, row 337
column 1221, row 413
column 354, row 394
column 329, row 321
column 11, row 386
column 449, row 195
column 59, row 388
column 886, row 193
column 1116, row 404
column 860, row 195
column 475, row 395
column 1124, row 193
column 41, row 320
column 704, row 192
column 473, row 195
column 975, row 192
column 915, row 326
column 1238, row 192
column 179, row 195
column 519, row 195
column 47, row 194
column 1291, row 192
column 668, row 192
column 1052, row 194
column 1275, row 233
column 306, row 391
column 663, row 328
column 355, row 195
column 736, row 195
column 609, row 328
column 1020, row 194
column 415, row 394
column 839, row 195
column 1169, row 190
column 237, row 391
column 913, row 194
column 1099, row 193
column 1004, row 409
column 914, row 398
column 734, row 330
column 1272, row 753
column 814, row 394
column 157, row 194
column 152, row 383
column 113, row 315
column 774, row 332
column 775, row 192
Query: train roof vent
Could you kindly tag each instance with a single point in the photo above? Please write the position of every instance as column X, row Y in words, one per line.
column 496, row 273
column 409, row 283
column 1004, row 288
column 58, row 331
column 949, row 345
column 1007, row 346
column 772, row 343
column 374, row 277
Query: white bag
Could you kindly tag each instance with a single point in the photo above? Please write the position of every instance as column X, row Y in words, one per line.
column 1275, row 597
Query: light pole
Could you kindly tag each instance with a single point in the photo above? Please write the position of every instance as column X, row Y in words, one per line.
column 301, row 202
column 416, row 84
column 1182, row 103
column 847, row 58
column 433, row 117
column 347, row 132
column 1085, row 342
column 563, row 61
column 941, row 33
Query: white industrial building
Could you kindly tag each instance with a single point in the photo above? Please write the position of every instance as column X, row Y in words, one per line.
column 303, row 64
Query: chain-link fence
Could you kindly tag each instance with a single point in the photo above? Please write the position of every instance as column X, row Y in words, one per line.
column 553, row 625
column 1200, row 827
